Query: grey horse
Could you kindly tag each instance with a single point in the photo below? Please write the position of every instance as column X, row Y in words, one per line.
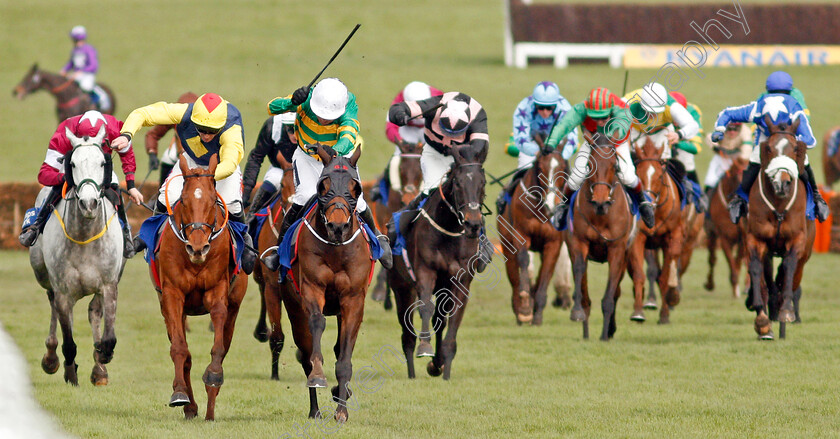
column 80, row 254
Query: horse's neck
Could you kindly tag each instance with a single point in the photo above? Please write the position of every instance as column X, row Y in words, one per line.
column 52, row 81
column 439, row 210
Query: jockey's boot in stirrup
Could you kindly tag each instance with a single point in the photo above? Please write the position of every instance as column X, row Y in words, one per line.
column 738, row 206
column 249, row 257
column 820, row 206
column 701, row 204
column 386, row 259
column 29, row 236
column 558, row 216
column 128, row 242
column 272, row 260
column 646, row 208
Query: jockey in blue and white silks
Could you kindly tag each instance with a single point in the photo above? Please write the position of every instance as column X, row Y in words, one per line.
column 782, row 108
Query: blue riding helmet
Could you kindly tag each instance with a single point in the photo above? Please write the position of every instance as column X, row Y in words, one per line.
column 546, row 93
column 779, row 81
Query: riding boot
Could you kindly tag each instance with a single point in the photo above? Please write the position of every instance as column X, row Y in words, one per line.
column 386, row 259
column 820, row 206
column 738, row 207
column 272, row 260
column 249, row 257
column 646, row 208
column 558, row 217
column 29, row 235
column 410, row 210
column 261, row 199
column 700, row 204
column 128, row 243
column 165, row 169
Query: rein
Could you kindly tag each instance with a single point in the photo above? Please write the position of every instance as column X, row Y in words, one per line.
column 180, row 233
column 323, row 214
column 592, row 226
column 455, row 211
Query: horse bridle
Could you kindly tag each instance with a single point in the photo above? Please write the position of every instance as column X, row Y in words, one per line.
column 655, row 195
column 457, row 211
column 408, row 187
column 181, row 232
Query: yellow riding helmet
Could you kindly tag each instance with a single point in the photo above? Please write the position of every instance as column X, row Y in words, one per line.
column 210, row 111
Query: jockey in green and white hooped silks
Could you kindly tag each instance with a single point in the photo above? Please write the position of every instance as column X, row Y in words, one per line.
column 602, row 110
column 325, row 115
column 782, row 107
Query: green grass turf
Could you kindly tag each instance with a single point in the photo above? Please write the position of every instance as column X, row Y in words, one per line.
column 702, row 376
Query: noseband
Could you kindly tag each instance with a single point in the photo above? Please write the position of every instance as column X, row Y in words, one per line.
column 181, row 232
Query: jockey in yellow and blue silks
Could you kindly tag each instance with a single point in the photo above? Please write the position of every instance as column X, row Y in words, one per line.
column 209, row 126
column 781, row 107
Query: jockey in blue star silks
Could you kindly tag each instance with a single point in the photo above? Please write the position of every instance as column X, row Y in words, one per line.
column 781, row 107
column 533, row 120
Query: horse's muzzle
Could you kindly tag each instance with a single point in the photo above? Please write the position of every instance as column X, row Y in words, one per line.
column 337, row 232
column 89, row 206
column 472, row 229
column 198, row 256
column 602, row 208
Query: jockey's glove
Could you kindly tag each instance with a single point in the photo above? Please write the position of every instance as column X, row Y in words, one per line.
column 224, row 170
column 300, row 95
column 717, row 136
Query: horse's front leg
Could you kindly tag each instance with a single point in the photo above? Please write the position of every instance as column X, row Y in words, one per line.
column 50, row 361
column 563, row 279
column 669, row 275
column 426, row 279
column 711, row 245
column 352, row 312
column 790, row 263
column 579, row 253
column 616, row 261
column 172, row 308
column 636, row 264
column 105, row 349
column 64, row 307
column 654, row 272
column 522, row 304
column 99, row 374
column 449, row 345
column 757, row 251
column 313, row 305
column 550, row 254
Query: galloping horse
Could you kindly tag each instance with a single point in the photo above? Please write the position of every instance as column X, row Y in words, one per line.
column 329, row 276
column 777, row 226
column 196, row 278
column 831, row 158
column 720, row 230
column 529, row 220
column 79, row 254
column 70, row 99
column 439, row 259
column 411, row 176
column 603, row 228
column 668, row 234
column 268, row 282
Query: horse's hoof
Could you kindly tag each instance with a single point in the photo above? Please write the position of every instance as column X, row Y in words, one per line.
column 99, row 376
column 213, row 379
column 179, row 399
column 638, row 317
column 50, row 363
column 261, row 334
column 768, row 336
column 424, row 349
column 341, row 416
column 378, row 295
column 578, row 315
column 664, row 321
column 650, row 304
column 537, row 321
column 709, row 286
column 786, row 316
column 316, row 382
column 71, row 374
column 433, row 370
column 557, row 302
column 524, row 318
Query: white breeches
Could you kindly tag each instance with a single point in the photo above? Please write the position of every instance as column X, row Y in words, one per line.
column 274, row 175
column 717, row 169
column 86, row 81
column 307, row 171
column 525, row 160
column 580, row 168
column 230, row 189
column 170, row 156
column 394, row 170
column 686, row 158
column 434, row 166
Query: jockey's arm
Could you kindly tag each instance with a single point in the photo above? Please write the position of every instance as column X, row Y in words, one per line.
column 522, row 138
column 804, row 132
column 687, row 126
column 734, row 114
column 52, row 170
column 478, row 137
column 91, row 59
column 281, row 105
column 231, row 151
column 159, row 113
column 574, row 117
column 348, row 127
column 129, row 165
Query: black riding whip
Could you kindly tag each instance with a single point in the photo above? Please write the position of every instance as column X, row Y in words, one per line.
column 336, row 54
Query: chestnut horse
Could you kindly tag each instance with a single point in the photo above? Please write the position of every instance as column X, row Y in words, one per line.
column 411, row 177
column 668, row 234
column 831, row 162
column 777, row 226
column 70, row 99
column 330, row 276
column 720, row 230
column 268, row 282
column 196, row 278
column 602, row 230
column 439, row 260
column 529, row 220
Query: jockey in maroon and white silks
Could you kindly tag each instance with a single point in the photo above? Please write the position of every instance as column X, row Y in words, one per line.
column 453, row 119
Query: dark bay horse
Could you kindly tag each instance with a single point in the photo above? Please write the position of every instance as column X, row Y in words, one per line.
column 777, row 226
column 196, row 278
column 330, row 276
column 411, row 177
column 721, row 231
column 667, row 235
column 602, row 230
column 271, row 300
column 440, row 261
column 70, row 99
column 830, row 157
column 528, row 215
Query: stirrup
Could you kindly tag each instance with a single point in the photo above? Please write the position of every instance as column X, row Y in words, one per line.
column 29, row 237
column 558, row 217
column 648, row 213
column 737, row 207
column 128, row 245
column 386, row 259
column 271, row 261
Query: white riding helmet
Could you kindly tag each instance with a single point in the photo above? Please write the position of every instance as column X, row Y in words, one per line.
column 654, row 97
column 329, row 99
column 417, row 91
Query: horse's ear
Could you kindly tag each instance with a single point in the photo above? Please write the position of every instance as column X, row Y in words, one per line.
column 34, row 68
column 100, row 135
column 355, row 157
column 769, row 122
column 795, row 125
column 214, row 161
column 456, row 154
column 324, row 154
column 70, row 136
column 282, row 160
column 182, row 163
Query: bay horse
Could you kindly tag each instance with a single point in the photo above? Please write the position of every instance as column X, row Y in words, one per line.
column 602, row 230
column 329, row 276
column 410, row 179
column 196, row 278
column 70, row 99
column 721, row 231
column 439, row 260
column 80, row 254
column 777, row 226
column 668, row 234
column 271, row 300
column 529, row 220
column 830, row 157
